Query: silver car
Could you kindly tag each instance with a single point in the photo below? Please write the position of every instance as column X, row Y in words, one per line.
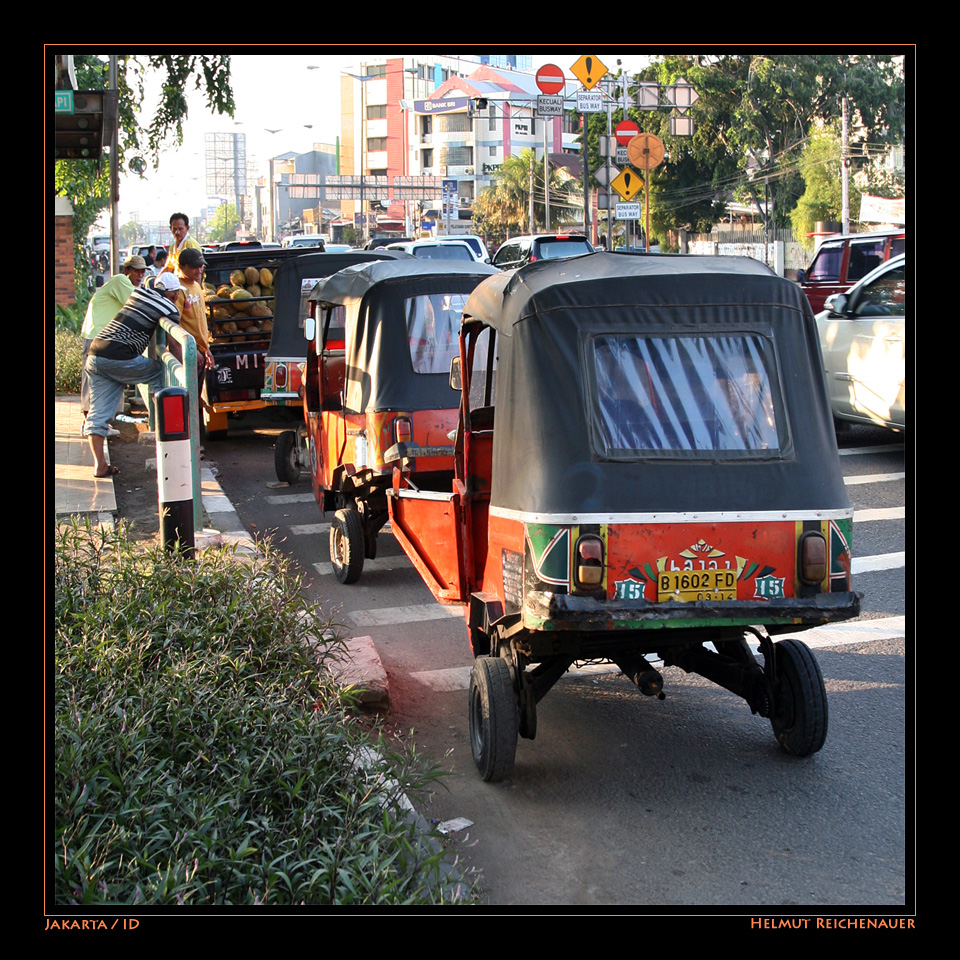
column 863, row 340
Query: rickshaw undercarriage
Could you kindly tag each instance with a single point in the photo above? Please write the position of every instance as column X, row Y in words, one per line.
column 786, row 686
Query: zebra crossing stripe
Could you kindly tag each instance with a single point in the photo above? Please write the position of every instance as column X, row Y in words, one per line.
column 412, row 614
column 873, row 478
column 880, row 513
column 307, row 529
column 882, row 561
column 453, row 679
column 278, row 499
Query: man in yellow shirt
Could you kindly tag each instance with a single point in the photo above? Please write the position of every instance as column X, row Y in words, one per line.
column 180, row 228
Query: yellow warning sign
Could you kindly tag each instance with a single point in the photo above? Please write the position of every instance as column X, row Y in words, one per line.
column 589, row 71
column 628, row 184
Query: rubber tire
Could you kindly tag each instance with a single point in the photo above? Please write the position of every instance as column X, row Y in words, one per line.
column 493, row 718
column 346, row 545
column 800, row 719
column 285, row 460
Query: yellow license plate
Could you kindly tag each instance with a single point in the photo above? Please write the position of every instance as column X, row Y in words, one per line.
column 687, row 586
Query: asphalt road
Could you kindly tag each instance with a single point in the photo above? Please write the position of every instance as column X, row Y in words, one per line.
column 629, row 803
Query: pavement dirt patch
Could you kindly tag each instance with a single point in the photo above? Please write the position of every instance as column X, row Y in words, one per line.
column 135, row 487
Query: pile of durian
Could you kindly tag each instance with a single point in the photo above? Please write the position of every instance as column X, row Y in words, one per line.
column 241, row 307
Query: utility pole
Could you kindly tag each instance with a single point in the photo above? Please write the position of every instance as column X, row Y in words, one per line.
column 845, row 164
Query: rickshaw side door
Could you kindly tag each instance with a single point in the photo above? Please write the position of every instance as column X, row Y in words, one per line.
column 323, row 398
column 445, row 534
column 428, row 525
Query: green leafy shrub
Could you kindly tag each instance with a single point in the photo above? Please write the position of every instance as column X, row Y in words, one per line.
column 70, row 316
column 68, row 361
column 203, row 755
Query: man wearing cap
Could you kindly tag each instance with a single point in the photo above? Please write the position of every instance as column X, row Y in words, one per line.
column 116, row 358
column 180, row 228
column 102, row 309
column 190, row 303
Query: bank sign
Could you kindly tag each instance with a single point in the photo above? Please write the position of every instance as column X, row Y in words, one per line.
column 450, row 105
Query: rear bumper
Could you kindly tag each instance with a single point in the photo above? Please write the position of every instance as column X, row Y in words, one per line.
column 552, row 611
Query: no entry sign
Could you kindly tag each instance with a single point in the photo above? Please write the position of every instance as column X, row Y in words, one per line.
column 625, row 131
column 550, row 78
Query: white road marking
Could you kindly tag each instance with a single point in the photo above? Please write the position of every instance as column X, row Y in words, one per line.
column 885, row 448
column 411, row 614
column 859, row 631
column 325, row 569
column 873, row 478
column 453, row 679
column 309, row 528
column 282, row 498
column 885, row 513
column 881, row 561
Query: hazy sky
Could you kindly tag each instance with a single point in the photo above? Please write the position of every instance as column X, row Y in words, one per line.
column 272, row 92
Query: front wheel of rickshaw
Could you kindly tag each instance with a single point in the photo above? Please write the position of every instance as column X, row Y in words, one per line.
column 799, row 719
column 346, row 545
column 286, row 457
column 493, row 718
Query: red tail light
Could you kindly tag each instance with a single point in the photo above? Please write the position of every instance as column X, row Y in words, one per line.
column 813, row 558
column 589, row 561
column 402, row 430
column 280, row 376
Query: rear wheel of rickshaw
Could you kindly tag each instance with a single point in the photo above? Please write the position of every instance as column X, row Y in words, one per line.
column 286, row 457
column 493, row 718
column 799, row 719
column 346, row 545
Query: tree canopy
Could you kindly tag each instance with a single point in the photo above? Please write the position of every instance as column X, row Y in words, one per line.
column 754, row 116
column 85, row 182
column 224, row 222
column 502, row 210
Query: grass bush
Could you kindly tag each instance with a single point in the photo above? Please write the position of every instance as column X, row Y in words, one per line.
column 203, row 755
column 68, row 362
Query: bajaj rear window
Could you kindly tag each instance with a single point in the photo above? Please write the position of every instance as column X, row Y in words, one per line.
column 715, row 396
column 433, row 330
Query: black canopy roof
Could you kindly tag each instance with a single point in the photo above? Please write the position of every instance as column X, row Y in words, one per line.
column 380, row 373
column 551, row 315
column 286, row 340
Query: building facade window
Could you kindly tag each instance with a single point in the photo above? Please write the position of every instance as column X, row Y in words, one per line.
column 454, row 123
column 456, row 156
column 377, row 112
column 376, row 143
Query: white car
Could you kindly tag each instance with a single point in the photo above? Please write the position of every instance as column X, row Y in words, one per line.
column 475, row 243
column 436, row 250
column 863, row 341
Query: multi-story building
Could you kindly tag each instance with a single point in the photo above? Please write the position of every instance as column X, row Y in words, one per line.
column 444, row 118
column 507, row 61
column 375, row 126
column 471, row 124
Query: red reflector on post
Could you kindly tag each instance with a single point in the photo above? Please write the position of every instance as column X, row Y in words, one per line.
column 173, row 418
